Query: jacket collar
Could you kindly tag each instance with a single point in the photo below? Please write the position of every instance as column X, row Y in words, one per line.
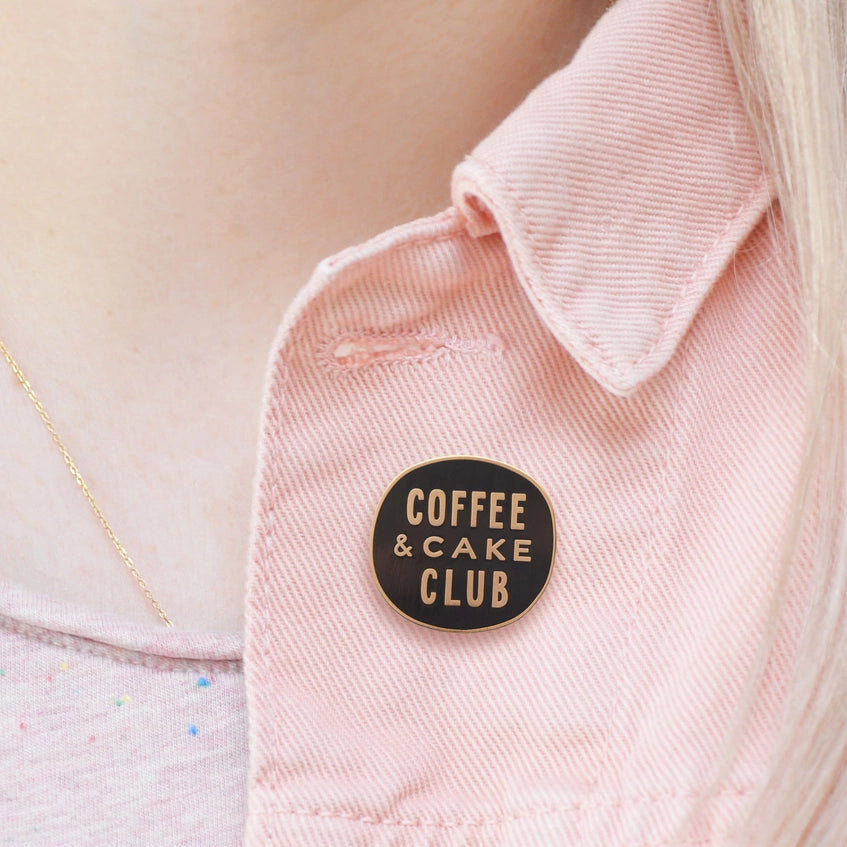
column 622, row 186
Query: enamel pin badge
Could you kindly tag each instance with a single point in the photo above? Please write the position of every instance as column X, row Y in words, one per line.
column 463, row 544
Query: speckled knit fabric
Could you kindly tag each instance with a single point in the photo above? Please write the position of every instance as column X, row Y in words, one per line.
column 117, row 734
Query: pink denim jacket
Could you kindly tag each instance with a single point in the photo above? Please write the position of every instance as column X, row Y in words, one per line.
column 604, row 308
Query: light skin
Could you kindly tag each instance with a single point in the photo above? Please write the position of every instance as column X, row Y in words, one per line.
column 170, row 174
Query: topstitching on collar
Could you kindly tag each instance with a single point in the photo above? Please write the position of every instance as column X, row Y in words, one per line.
column 622, row 186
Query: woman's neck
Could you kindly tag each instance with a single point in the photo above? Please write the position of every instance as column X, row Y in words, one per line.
column 152, row 150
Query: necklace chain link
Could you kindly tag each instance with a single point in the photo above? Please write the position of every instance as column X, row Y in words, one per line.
column 80, row 481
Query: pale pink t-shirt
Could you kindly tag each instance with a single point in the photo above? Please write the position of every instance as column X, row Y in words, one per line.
column 116, row 733
column 609, row 307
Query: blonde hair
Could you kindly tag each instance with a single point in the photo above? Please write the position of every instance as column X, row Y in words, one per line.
column 790, row 57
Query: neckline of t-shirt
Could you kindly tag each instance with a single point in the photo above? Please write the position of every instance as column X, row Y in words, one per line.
column 36, row 612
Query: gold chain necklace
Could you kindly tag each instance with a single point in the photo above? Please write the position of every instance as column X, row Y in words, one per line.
column 127, row 559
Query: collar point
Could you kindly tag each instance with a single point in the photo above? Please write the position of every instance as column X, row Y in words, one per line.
column 622, row 379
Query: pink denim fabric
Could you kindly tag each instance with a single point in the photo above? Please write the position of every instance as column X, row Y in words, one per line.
column 607, row 308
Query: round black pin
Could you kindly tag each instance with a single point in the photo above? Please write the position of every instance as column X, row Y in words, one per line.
column 463, row 544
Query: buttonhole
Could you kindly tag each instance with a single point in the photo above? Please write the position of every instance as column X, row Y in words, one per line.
column 367, row 349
